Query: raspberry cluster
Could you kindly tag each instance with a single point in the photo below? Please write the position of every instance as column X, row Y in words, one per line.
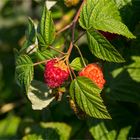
column 94, row 72
column 56, row 72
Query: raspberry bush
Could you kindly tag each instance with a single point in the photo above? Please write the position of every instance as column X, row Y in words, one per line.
column 80, row 58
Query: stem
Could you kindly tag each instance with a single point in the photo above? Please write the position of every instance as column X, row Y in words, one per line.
column 44, row 61
column 69, row 50
column 41, row 62
column 73, row 28
column 80, row 54
column 78, row 13
column 56, row 50
column 65, row 28
column 79, row 37
column 62, row 58
column 73, row 22
column 73, row 73
column 67, row 63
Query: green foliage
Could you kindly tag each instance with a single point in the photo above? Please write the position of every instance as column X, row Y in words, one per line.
column 9, row 127
column 102, row 48
column 87, row 96
column 134, row 68
column 39, row 95
column 29, row 44
column 24, row 71
column 50, row 130
column 62, row 129
column 46, row 29
column 43, row 55
column 118, row 128
column 124, row 83
column 31, row 32
column 103, row 15
column 44, row 113
column 77, row 64
column 32, row 137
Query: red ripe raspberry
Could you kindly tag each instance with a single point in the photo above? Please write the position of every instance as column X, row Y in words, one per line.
column 109, row 36
column 94, row 72
column 56, row 72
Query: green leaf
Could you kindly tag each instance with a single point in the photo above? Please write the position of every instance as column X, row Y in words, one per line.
column 32, row 137
column 24, row 71
column 121, row 3
column 46, row 130
column 31, row 32
column 87, row 96
column 134, row 69
column 9, row 126
column 39, row 95
column 103, row 15
column 44, row 55
column 106, row 134
column 102, row 48
column 118, row 128
column 124, row 83
column 62, row 129
column 77, row 64
column 30, row 37
column 46, row 29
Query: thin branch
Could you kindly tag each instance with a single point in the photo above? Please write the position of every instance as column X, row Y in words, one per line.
column 73, row 73
column 73, row 27
column 80, row 54
column 78, row 13
column 56, row 50
column 79, row 37
column 41, row 62
column 73, row 23
column 67, row 63
column 65, row 28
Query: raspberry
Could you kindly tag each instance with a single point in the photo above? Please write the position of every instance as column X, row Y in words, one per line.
column 56, row 72
column 94, row 72
column 109, row 36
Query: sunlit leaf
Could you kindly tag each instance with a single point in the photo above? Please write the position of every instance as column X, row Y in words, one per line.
column 62, row 129
column 102, row 48
column 87, row 96
column 117, row 128
column 103, row 15
column 9, row 126
column 77, row 64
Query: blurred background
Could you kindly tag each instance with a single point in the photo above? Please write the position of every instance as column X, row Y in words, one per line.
column 13, row 22
column 16, row 115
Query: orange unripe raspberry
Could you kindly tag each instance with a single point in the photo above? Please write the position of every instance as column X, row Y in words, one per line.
column 94, row 72
column 56, row 72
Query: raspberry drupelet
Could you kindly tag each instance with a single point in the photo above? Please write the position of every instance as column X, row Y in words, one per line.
column 94, row 72
column 56, row 72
